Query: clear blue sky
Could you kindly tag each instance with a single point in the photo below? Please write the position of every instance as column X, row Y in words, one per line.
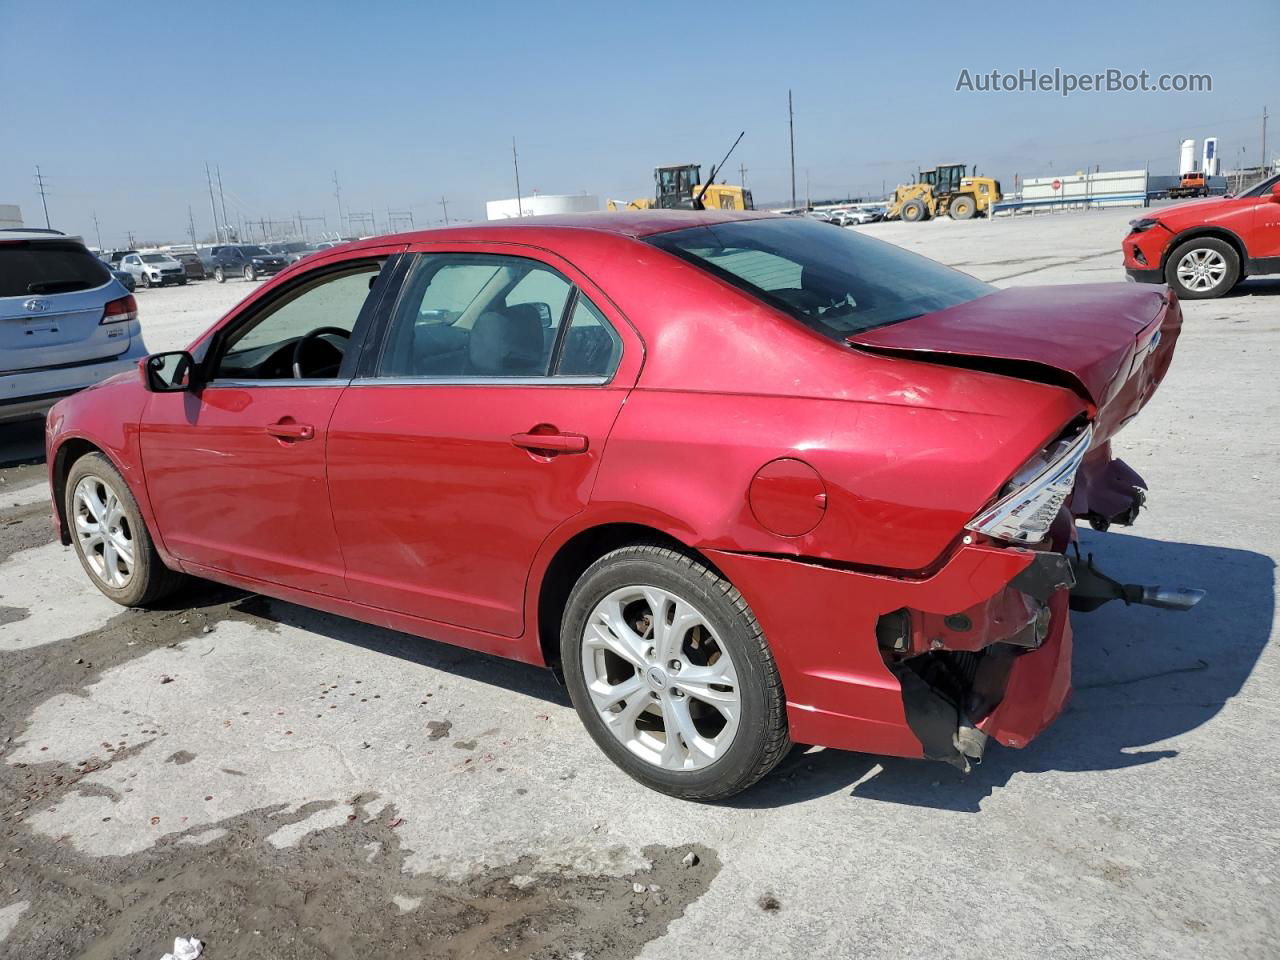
column 121, row 104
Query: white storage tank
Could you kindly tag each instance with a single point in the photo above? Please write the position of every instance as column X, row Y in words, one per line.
column 540, row 204
column 1210, row 162
column 10, row 215
column 1187, row 161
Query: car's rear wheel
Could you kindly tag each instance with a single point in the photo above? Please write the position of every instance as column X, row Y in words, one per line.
column 219, row 274
column 914, row 211
column 1202, row 268
column 110, row 538
column 671, row 674
column 249, row 273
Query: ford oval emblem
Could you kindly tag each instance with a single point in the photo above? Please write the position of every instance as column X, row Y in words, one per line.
column 36, row 305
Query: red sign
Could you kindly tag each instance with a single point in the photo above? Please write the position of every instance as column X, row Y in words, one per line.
column 1057, row 185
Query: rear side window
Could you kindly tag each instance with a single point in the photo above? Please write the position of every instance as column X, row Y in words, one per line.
column 836, row 282
column 480, row 316
column 591, row 348
column 48, row 266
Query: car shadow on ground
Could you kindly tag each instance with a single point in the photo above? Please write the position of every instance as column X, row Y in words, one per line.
column 1142, row 676
column 21, row 442
column 496, row 671
column 1256, row 286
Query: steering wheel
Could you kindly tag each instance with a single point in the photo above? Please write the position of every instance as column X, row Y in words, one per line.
column 300, row 348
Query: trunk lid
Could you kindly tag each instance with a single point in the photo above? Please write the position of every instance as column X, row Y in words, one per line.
column 67, row 331
column 1110, row 342
column 52, row 295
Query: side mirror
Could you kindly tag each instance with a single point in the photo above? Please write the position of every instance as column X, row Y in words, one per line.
column 169, row 372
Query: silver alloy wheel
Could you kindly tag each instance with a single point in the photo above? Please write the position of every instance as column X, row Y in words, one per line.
column 660, row 678
column 1202, row 269
column 103, row 531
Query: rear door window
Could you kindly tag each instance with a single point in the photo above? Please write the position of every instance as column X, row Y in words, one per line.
column 33, row 268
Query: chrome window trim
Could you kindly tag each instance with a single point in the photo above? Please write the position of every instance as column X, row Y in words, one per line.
column 480, row 381
column 279, row 382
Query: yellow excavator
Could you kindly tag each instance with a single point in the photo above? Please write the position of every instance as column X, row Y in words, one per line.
column 675, row 188
column 944, row 191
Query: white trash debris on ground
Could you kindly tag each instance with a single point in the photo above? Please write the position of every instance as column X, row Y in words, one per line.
column 185, row 948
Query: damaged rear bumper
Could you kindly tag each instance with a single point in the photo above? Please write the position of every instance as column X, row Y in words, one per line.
column 934, row 667
column 983, row 649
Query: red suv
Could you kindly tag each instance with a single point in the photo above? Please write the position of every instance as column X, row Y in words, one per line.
column 1204, row 248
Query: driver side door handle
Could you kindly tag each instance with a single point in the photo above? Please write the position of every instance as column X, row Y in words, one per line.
column 289, row 430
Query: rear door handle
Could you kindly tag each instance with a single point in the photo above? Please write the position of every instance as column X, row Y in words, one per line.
column 556, row 442
column 288, row 430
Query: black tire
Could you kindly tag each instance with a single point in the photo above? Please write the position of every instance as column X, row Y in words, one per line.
column 182, row 282
column 219, row 274
column 914, row 211
column 1209, row 248
column 249, row 273
column 146, row 281
column 760, row 740
column 150, row 580
column 963, row 208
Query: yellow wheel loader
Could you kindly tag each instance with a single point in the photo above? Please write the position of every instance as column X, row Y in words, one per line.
column 675, row 188
column 944, row 191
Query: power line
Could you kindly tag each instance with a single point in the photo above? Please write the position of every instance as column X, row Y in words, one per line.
column 515, row 162
column 44, row 203
column 213, row 208
column 337, row 193
column 223, row 197
column 791, row 124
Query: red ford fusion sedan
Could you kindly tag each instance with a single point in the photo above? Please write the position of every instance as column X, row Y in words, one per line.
column 742, row 481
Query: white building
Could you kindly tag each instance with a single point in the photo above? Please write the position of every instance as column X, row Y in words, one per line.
column 540, row 204
column 10, row 215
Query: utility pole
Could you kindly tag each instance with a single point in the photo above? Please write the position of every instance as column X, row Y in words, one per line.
column 223, row 198
column 132, row 242
column 213, row 207
column 742, row 175
column 791, row 123
column 1264, row 145
column 515, row 162
column 98, row 230
column 45, row 203
column 337, row 193
column 191, row 225
column 445, row 203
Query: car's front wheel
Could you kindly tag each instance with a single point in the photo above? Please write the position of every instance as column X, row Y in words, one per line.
column 250, row 274
column 219, row 274
column 146, row 281
column 671, row 674
column 1202, row 268
column 110, row 538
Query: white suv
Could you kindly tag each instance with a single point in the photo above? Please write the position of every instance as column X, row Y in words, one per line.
column 65, row 322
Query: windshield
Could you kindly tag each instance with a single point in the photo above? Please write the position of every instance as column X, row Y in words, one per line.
column 156, row 258
column 836, row 282
column 1262, row 187
column 254, row 252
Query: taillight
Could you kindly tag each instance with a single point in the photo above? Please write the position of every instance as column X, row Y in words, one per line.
column 126, row 308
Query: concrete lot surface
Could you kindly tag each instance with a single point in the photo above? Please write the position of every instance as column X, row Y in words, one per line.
column 283, row 783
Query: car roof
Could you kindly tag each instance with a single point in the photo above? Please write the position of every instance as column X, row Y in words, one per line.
column 633, row 223
column 17, row 234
